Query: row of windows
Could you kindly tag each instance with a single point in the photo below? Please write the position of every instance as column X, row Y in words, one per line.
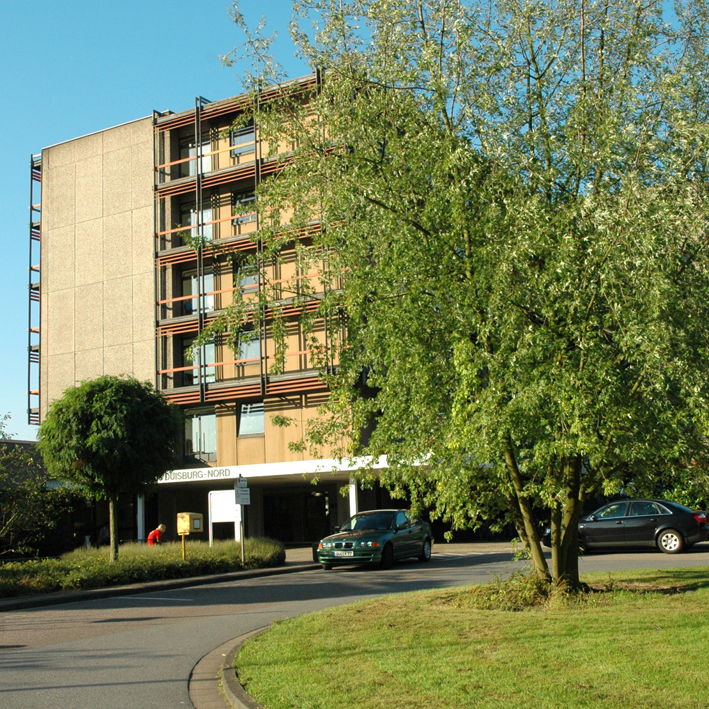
column 201, row 430
column 243, row 142
column 247, row 281
column 249, row 348
column 243, row 209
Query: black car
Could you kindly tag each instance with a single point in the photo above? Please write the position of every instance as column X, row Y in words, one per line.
column 641, row 523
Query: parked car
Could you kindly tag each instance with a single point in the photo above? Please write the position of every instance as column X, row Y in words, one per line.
column 641, row 523
column 377, row 537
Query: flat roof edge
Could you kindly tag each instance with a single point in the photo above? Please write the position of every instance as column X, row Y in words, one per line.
column 172, row 116
column 96, row 132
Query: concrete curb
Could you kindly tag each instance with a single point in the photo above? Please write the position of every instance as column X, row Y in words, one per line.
column 53, row 599
column 236, row 695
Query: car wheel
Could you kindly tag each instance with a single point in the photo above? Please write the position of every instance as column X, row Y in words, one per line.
column 327, row 567
column 387, row 557
column 425, row 554
column 670, row 541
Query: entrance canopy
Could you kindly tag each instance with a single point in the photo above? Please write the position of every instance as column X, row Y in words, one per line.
column 325, row 466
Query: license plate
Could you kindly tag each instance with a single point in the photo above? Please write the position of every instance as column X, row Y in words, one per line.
column 344, row 553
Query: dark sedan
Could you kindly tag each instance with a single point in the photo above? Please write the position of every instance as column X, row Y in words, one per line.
column 641, row 523
column 377, row 537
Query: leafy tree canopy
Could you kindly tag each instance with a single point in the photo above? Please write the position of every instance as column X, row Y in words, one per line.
column 513, row 204
column 30, row 506
column 108, row 437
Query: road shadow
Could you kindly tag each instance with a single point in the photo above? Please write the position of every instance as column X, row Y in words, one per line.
column 340, row 582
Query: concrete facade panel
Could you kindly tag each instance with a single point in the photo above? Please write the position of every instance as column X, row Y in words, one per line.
column 143, row 240
column 58, row 197
column 88, row 264
column 118, row 360
column 88, row 364
column 60, row 313
column 89, row 146
column 144, row 360
column 118, row 329
column 142, row 131
column 117, row 246
column 88, row 324
column 142, row 174
column 58, row 259
column 116, row 182
column 60, row 376
column 89, row 187
column 143, row 308
column 43, row 371
column 59, row 155
column 117, row 138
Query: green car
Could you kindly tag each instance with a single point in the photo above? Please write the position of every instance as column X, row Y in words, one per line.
column 377, row 537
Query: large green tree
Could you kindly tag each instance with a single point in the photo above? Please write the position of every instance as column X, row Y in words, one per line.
column 109, row 437
column 31, row 504
column 513, row 199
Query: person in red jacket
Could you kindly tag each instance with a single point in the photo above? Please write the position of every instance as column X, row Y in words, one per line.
column 156, row 535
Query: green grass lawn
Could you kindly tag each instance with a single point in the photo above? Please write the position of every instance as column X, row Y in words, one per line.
column 639, row 640
column 82, row 569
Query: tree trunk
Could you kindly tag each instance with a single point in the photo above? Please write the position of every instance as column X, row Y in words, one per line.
column 517, row 518
column 556, row 536
column 572, row 512
column 533, row 544
column 113, row 524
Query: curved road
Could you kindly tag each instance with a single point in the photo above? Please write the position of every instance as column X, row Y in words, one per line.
column 137, row 652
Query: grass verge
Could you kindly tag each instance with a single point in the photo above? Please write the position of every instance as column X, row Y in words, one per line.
column 83, row 569
column 637, row 639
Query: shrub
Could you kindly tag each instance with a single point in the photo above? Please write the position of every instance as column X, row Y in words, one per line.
column 84, row 569
column 522, row 591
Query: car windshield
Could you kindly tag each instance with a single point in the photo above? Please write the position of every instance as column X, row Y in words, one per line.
column 377, row 520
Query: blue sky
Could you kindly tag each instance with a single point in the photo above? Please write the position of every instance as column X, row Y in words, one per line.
column 72, row 67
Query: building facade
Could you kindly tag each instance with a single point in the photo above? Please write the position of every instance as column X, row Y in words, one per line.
column 139, row 238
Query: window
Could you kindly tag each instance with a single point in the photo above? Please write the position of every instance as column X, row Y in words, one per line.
column 641, row 509
column 243, row 142
column 188, row 150
column 247, row 278
column 190, row 217
column 613, row 511
column 401, row 520
column 190, row 287
column 243, row 208
column 190, row 357
column 251, row 419
column 249, row 346
column 201, row 436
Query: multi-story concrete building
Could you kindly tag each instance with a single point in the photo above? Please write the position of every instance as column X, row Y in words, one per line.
column 140, row 229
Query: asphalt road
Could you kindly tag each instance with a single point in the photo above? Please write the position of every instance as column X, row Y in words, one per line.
column 137, row 652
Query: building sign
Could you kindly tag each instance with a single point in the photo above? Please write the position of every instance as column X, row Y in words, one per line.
column 242, row 495
column 196, row 474
column 222, row 507
column 294, row 467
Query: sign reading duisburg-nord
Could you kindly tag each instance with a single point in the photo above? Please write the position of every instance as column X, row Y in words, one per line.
column 176, row 476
